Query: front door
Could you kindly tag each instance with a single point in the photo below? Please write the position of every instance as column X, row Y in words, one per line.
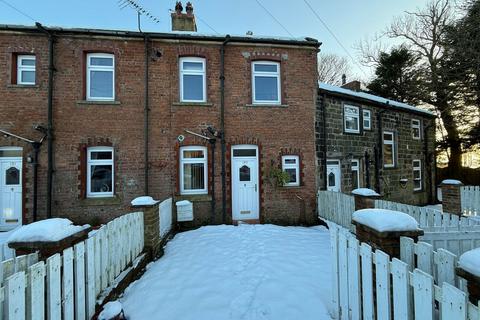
column 10, row 192
column 245, row 182
column 333, row 175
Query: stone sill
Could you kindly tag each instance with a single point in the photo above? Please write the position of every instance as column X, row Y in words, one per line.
column 98, row 102
column 267, row 105
column 192, row 104
column 101, row 201
column 23, row 86
column 193, row 197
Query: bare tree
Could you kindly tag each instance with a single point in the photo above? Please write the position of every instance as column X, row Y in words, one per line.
column 331, row 67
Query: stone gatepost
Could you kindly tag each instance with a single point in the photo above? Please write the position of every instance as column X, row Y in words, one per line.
column 365, row 198
column 151, row 224
column 451, row 196
column 382, row 229
column 469, row 269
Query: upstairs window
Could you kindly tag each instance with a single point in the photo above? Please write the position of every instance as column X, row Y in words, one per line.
column 388, row 149
column 355, row 174
column 367, row 120
column 291, row 165
column 192, row 80
column 193, row 170
column 417, row 175
column 100, row 172
column 100, row 76
column 416, row 132
column 351, row 116
column 266, row 82
column 26, row 69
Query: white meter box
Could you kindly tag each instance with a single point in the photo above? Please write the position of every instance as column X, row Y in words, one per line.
column 184, row 210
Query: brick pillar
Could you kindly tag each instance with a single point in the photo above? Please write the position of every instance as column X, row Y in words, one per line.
column 451, row 197
column 473, row 284
column 365, row 199
column 151, row 227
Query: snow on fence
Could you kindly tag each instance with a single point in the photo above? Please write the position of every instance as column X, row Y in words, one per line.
column 371, row 285
column 336, row 207
column 165, row 212
column 66, row 286
column 470, row 200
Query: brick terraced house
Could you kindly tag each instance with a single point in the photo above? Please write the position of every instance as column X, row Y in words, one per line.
column 92, row 119
column 368, row 141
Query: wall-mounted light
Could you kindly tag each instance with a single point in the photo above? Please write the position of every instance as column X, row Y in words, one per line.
column 403, row 182
column 29, row 159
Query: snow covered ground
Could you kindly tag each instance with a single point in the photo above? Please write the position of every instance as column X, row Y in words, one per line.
column 245, row 272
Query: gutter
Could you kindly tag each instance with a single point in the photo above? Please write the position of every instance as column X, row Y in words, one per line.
column 222, row 126
column 50, row 129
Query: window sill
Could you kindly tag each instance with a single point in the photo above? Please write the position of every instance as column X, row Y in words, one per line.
column 97, row 102
column 292, row 187
column 101, row 201
column 192, row 104
column 254, row 105
column 193, row 197
column 23, row 86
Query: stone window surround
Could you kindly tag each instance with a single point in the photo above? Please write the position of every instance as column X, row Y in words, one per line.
column 360, row 118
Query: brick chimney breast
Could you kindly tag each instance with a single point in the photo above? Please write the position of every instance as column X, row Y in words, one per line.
column 183, row 21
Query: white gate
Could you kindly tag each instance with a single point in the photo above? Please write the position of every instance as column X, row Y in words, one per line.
column 165, row 212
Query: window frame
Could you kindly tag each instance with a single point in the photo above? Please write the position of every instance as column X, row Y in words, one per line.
column 394, row 153
column 89, row 68
column 21, row 68
column 295, row 166
column 417, row 125
column 91, row 162
column 357, row 166
column 269, row 74
column 419, row 169
column 345, row 129
column 369, row 119
column 204, row 161
column 203, row 73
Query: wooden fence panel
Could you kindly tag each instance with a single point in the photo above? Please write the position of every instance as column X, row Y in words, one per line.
column 401, row 284
column 79, row 272
column 425, row 257
column 15, row 296
column 423, row 295
column 335, row 267
column 470, row 200
column 90, row 270
column 343, row 271
column 54, row 297
column 382, row 278
column 454, row 303
column 36, row 292
column 354, row 278
column 367, row 282
column 67, row 284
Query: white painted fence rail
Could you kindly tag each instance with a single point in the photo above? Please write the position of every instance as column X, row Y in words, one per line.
column 470, row 200
column 336, row 207
column 165, row 212
column 67, row 285
column 396, row 290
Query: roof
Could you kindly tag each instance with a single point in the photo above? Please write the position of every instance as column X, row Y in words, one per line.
column 367, row 97
column 176, row 35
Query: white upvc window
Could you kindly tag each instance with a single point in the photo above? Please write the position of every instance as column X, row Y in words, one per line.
column 100, row 76
column 266, row 86
column 100, row 172
column 416, row 129
column 291, row 165
column 193, row 87
column 389, row 149
column 417, row 175
column 351, row 118
column 367, row 119
column 355, row 174
column 193, row 170
column 26, row 69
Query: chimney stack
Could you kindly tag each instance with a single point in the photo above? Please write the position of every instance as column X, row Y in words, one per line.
column 183, row 21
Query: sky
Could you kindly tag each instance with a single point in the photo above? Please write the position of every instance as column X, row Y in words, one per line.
column 349, row 20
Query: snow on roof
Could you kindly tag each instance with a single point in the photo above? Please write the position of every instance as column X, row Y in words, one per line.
column 470, row 261
column 452, row 181
column 385, row 220
column 365, row 192
column 51, row 230
column 371, row 97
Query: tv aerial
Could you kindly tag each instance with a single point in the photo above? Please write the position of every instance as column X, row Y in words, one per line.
column 133, row 4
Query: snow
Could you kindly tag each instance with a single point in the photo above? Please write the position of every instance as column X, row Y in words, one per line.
column 452, row 181
column 243, row 272
column 110, row 310
column 365, row 192
column 183, row 203
column 385, row 220
column 470, row 261
column 53, row 229
column 143, row 201
column 371, row 97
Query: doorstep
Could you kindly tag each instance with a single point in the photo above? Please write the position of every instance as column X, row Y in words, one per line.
column 247, row 221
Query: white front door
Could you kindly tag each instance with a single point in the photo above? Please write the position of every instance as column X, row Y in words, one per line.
column 333, row 175
column 245, row 193
column 10, row 193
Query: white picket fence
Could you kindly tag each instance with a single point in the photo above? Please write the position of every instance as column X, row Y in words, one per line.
column 165, row 212
column 396, row 289
column 470, row 200
column 67, row 285
column 336, row 207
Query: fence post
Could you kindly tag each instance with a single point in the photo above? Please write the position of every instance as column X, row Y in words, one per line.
column 151, row 224
column 451, row 196
column 365, row 198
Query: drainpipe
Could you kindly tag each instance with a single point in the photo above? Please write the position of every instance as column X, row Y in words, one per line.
column 213, row 204
column 367, row 169
column 145, row 116
column 51, row 70
column 36, row 149
column 378, row 151
column 222, row 126
column 428, row 162
column 324, row 141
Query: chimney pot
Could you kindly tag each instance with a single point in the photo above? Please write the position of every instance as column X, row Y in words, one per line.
column 178, row 7
column 189, row 8
column 183, row 21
